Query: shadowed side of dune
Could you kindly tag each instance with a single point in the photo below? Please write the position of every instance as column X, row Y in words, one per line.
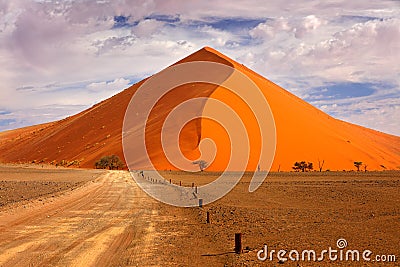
column 97, row 131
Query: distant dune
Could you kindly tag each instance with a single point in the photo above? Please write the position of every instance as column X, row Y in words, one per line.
column 302, row 131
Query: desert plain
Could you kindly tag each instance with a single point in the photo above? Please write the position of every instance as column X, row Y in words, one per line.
column 73, row 217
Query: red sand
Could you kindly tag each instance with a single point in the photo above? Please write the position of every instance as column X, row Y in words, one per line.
column 303, row 132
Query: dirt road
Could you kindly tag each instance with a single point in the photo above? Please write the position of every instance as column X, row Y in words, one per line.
column 107, row 222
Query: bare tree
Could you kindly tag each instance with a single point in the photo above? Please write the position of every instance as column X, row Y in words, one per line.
column 202, row 164
column 357, row 164
column 365, row 167
column 320, row 164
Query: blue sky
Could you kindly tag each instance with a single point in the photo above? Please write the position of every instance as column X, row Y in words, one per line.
column 60, row 57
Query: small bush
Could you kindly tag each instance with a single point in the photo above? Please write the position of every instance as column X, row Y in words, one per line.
column 112, row 162
column 73, row 163
column 62, row 163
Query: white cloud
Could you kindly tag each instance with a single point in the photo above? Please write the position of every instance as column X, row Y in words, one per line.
column 295, row 27
column 47, row 113
column 382, row 115
column 112, row 86
column 147, row 28
column 356, row 52
column 309, row 24
column 270, row 28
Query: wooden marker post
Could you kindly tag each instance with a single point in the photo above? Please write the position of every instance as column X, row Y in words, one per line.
column 208, row 217
column 238, row 243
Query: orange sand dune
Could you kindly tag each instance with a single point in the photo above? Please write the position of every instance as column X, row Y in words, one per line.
column 302, row 131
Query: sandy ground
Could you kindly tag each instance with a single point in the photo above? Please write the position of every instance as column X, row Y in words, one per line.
column 19, row 184
column 109, row 221
column 303, row 211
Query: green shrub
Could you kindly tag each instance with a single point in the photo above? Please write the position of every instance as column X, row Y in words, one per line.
column 112, row 162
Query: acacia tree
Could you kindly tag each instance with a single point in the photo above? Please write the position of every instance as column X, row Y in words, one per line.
column 112, row 162
column 297, row 166
column 310, row 166
column 357, row 164
column 202, row 164
column 302, row 166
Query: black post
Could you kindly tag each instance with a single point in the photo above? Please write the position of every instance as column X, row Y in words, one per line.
column 238, row 243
